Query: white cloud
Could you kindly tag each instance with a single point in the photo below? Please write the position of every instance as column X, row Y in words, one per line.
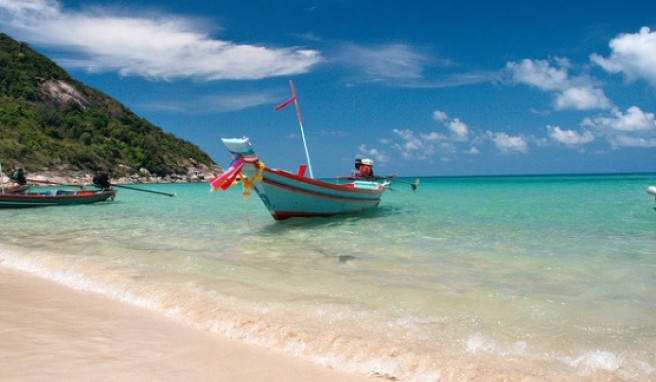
column 153, row 46
column 450, row 80
column 577, row 93
column 582, row 98
column 472, row 150
column 507, row 143
column 412, row 146
column 384, row 62
column 433, row 136
column 538, row 73
column 440, row 115
column 214, row 103
column 424, row 146
column 458, row 128
column 26, row 6
column 631, row 141
column 633, row 120
column 632, row 54
column 378, row 155
column 570, row 137
column 634, row 128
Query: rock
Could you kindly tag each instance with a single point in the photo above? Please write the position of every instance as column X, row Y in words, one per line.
column 60, row 92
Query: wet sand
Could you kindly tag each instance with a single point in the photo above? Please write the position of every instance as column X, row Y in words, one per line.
column 51, row 332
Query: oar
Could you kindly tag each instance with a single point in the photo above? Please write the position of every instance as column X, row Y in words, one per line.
column 412, row 185
column 101, row 180
column 142, row 190
column 391, row 178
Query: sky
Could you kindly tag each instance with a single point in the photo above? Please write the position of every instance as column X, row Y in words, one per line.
column 425, row 88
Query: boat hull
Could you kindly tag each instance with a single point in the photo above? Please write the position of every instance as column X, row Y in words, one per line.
column 58, row 198
column 289, row 195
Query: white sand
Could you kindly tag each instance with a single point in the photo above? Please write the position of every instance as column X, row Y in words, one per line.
column 50, row 332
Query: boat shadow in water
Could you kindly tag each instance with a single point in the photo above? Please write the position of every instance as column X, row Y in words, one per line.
column 309, row 223
column 295, row 230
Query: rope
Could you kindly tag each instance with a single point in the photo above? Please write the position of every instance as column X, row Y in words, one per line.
column 248, row 218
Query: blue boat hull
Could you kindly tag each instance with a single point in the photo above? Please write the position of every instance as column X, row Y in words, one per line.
column 289, row 195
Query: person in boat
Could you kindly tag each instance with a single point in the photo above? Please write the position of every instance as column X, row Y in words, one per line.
column 365, row 167
column 18, row 182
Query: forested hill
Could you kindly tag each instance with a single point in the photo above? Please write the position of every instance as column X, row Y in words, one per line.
column 51, row 122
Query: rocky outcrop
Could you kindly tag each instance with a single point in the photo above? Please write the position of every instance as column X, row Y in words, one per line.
column 58, row 93
column 200, row 173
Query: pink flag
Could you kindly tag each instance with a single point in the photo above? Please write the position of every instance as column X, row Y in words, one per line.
column 285, row 103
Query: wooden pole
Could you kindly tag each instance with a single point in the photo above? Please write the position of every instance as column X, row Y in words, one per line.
column 300, row 123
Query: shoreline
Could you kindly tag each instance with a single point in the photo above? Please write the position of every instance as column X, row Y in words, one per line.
column 195, row 173
column 87, row 179
column 53, row 332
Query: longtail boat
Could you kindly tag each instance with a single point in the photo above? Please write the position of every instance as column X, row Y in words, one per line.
column 54, row 198
column 18, row 194
column 286, row 194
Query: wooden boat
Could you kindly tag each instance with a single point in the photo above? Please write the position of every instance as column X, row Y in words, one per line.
column 54, row 198
column 287, row 194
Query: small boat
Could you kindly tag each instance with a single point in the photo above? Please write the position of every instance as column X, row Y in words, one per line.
column 287, row 194
column 54, row 198
column 17, row 195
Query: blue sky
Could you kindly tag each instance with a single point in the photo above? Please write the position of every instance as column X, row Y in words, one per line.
column 422, row 87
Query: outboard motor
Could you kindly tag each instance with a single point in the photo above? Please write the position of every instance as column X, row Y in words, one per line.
column 102, row 180
column 365, row 167
column 19, row 177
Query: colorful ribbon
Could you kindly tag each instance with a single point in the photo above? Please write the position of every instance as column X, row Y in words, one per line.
column 228, row 178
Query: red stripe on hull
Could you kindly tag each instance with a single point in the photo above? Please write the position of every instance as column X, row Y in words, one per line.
column 318, row 194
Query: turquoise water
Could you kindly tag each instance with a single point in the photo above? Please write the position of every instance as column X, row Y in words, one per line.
column 481, row 277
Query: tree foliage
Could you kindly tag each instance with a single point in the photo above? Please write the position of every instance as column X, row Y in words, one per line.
column 84, row 130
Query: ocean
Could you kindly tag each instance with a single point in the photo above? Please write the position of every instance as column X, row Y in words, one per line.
column 467, row 278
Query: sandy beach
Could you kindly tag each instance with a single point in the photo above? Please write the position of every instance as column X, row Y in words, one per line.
column 51, row 332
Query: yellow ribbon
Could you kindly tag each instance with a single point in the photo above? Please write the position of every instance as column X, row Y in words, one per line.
column 246, row 183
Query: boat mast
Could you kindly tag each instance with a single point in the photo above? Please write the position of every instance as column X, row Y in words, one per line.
column 300, row 123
